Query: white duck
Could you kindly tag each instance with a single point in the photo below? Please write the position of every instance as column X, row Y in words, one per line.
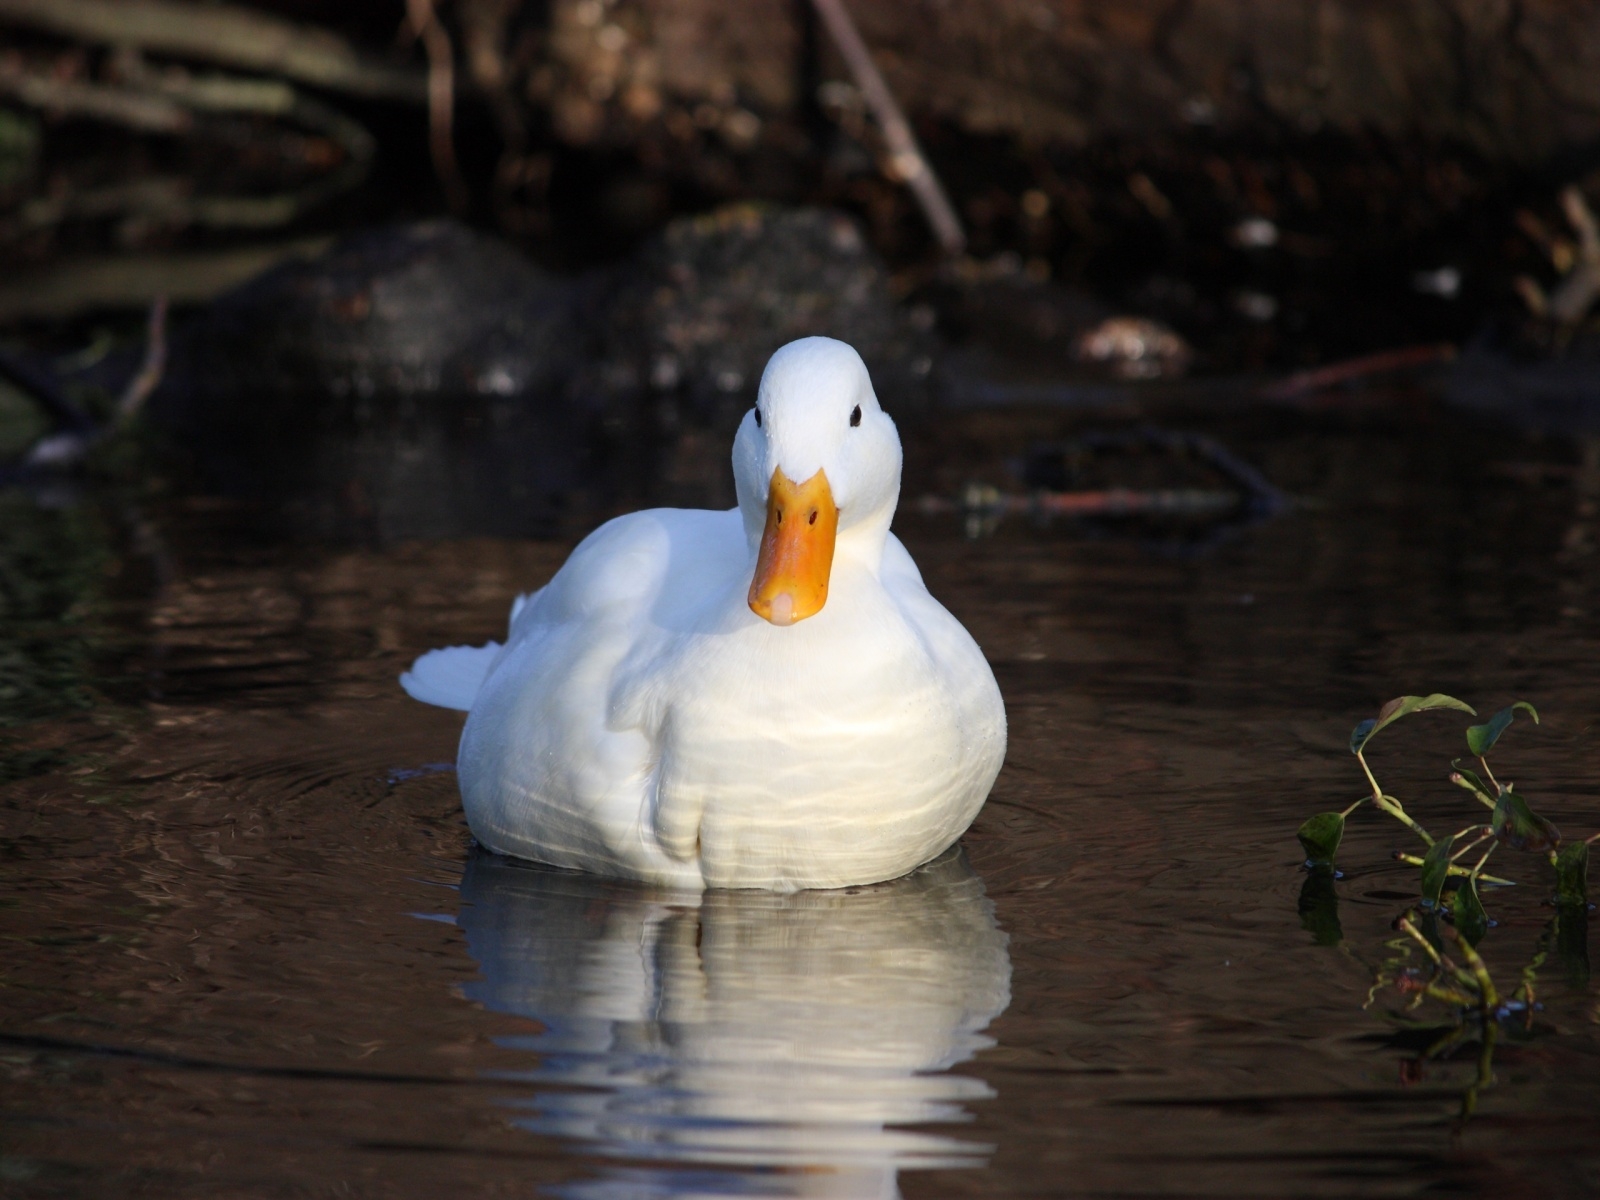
column 766, row 697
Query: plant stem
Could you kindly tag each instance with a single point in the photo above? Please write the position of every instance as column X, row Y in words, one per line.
column 1469, row 1098
column 1478, row 870
column 1475, row 843
column 1454, row 997
column 1377, row 792
column 1388, row 803
column 1362, row 801
column 1488, row 997
column 1487, row 773
column 1416, row 936
column 1393, row 807
column 1482, row 798
column 1416, row 861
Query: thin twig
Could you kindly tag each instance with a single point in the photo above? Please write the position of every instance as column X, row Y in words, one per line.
column 1488, row 774
column 1350, row 370
column 1575, row 295
column 1472, row 845
column 904, row 152
column 1110, row 502
column 150, row 371
column 62, row 450
column 425, row 24
column 1477, row 869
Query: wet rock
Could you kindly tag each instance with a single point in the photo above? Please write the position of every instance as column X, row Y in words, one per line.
column 1134, row 348
column 700, row 310
column 424, row 380
column 413, row 381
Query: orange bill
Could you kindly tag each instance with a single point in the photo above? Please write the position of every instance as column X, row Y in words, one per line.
column 796, row 556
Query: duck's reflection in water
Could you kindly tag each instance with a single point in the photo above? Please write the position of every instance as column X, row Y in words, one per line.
column 744, row 1043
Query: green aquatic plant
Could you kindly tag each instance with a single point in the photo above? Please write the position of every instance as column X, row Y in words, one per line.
column 1512, row 821
column 1434, row 956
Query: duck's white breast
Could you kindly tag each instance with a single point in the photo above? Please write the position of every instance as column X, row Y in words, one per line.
column 643, row 721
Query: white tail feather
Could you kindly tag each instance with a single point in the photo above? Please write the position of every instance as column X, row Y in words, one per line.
column 450, row 677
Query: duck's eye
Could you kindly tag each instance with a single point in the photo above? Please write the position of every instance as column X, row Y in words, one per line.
column 855, row 416
column 758, row 418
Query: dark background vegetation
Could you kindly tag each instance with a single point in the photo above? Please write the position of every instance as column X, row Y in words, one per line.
column 1113, row 147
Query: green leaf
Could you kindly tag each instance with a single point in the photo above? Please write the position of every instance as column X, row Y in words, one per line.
column 1519, row 827
column 1319, row 908
column 1572, row 875
column 1320, row 837
column 1466, row 911
column 1435, row 870
column 1463, row 778
column 1427, row 922
column 1480, row 738
column 1399, row 707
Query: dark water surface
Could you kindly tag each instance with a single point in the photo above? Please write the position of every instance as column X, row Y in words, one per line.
column 248, row 950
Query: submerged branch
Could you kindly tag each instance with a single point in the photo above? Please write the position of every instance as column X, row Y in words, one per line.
column 1351, row 370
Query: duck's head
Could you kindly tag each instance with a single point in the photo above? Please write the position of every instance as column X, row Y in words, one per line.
column 816, row 461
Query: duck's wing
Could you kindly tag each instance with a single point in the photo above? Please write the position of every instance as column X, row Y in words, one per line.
column 450, row 677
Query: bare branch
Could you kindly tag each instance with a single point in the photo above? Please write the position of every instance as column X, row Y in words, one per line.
column 150, row 370
column 424, row 22
column 904, row 152
column 1575, row 295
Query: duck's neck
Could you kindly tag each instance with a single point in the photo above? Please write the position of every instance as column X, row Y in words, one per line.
column 862, row 542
